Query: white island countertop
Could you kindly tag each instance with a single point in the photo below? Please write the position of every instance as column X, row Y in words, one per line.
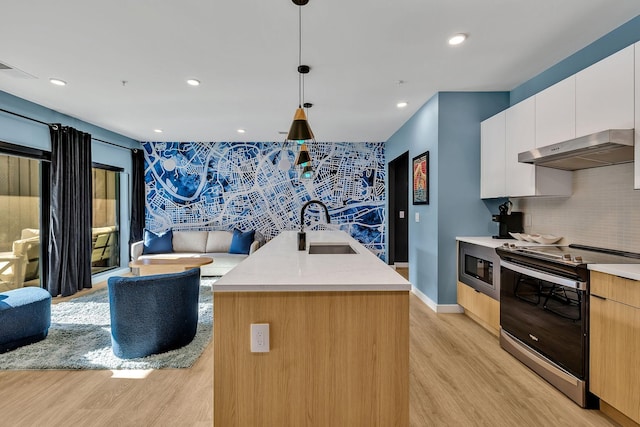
column 279, row 266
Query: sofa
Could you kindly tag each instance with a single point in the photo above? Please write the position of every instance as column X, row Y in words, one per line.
column 213, row 244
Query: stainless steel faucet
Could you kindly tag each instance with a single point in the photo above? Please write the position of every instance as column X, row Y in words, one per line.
column 302, row 236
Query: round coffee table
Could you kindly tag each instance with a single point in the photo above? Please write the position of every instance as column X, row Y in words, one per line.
column 150, row 266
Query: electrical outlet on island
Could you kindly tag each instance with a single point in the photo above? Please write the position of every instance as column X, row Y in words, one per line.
column 259, row 337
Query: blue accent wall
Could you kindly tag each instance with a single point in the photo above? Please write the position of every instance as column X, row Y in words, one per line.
column 448, row 126
column 253, row 186
column 418, row 135
column 623, row 36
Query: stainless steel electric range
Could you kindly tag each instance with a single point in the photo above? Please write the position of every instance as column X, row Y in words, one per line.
column 544, row 310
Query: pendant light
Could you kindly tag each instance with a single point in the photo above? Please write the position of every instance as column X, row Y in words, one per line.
column 307, row 172
column 300, row 130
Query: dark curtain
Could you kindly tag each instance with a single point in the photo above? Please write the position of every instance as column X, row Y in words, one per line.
column 71, row 211
column 137, row 196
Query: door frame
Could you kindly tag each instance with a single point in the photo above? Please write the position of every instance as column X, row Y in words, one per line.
column 394, row 167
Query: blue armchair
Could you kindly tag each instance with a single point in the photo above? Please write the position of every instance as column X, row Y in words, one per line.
column 153, row 314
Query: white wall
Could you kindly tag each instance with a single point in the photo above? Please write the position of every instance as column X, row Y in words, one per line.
column 604, row 210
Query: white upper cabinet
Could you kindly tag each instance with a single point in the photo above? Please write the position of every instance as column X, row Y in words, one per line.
column 605, row 94
column 636, row 183
column 556, row 113
column 520, row 136
column 492, row 152
column 524, row 179
column 504, row 136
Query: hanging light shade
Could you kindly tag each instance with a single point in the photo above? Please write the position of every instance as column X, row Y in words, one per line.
column 307, row 173
column 303, row 158
column 300, row 129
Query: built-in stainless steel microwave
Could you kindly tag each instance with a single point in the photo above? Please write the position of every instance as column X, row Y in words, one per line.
column 479, row 267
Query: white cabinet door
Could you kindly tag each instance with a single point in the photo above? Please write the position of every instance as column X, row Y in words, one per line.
column 637, row 121
column 556, row 113
column 605, row 94
column 492, row 146
column 520, row 136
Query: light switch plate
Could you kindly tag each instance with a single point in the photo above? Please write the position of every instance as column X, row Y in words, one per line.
column 417, row 216
column 259, row 337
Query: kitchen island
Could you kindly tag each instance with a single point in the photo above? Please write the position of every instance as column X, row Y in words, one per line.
column 338, row 338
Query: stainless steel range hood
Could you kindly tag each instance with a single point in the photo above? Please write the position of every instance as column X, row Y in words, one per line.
column 609, row 147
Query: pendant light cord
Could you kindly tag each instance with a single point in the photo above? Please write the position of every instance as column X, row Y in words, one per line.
column 300, row 76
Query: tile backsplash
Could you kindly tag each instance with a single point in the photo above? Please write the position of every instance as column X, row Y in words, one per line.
column 603, row 211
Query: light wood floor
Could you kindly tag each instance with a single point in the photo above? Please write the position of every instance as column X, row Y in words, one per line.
column 403, row 271
column 459, row 377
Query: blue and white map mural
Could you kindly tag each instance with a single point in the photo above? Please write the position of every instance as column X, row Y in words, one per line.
column 254, row 185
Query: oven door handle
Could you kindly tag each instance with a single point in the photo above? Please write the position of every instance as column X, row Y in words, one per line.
column 562, row 281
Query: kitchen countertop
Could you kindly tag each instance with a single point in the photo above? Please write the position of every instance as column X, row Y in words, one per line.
column 628, row 271
column 279, row 266
column 490, row 242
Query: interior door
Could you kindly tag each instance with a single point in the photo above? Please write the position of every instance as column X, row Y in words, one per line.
column 398, row 193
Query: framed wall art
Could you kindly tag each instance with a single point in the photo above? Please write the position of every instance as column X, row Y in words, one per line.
column 421, row 179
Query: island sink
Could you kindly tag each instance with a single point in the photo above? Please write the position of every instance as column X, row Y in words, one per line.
column 331, row 248
column 302, row 236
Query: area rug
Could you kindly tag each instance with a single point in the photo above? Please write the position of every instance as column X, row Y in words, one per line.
column 80, row 338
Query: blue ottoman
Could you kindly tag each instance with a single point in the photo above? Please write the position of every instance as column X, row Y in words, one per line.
column 25, row 317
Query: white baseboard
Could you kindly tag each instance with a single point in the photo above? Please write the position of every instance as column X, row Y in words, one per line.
column 450, row 308
column 438, row 308
column 402, row 265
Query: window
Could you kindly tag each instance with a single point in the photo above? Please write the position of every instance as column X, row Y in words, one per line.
column 105, row 233
column 24, row 196
column 20, row 207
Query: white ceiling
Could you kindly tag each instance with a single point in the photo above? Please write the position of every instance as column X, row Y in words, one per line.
column 245, row 52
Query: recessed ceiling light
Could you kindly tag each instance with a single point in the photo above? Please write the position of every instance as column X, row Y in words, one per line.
column 457, row 39
column 193, row 82
column 241, row 131
column 401, row 104
column 157, row 130
column 58, row 82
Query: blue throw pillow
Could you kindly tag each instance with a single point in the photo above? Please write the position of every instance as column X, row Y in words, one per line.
column 157, row 243
column 241, row 242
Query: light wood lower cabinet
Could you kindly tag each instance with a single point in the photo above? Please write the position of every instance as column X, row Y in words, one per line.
column 615, row 343
column 480, row 307
column 335, row 359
